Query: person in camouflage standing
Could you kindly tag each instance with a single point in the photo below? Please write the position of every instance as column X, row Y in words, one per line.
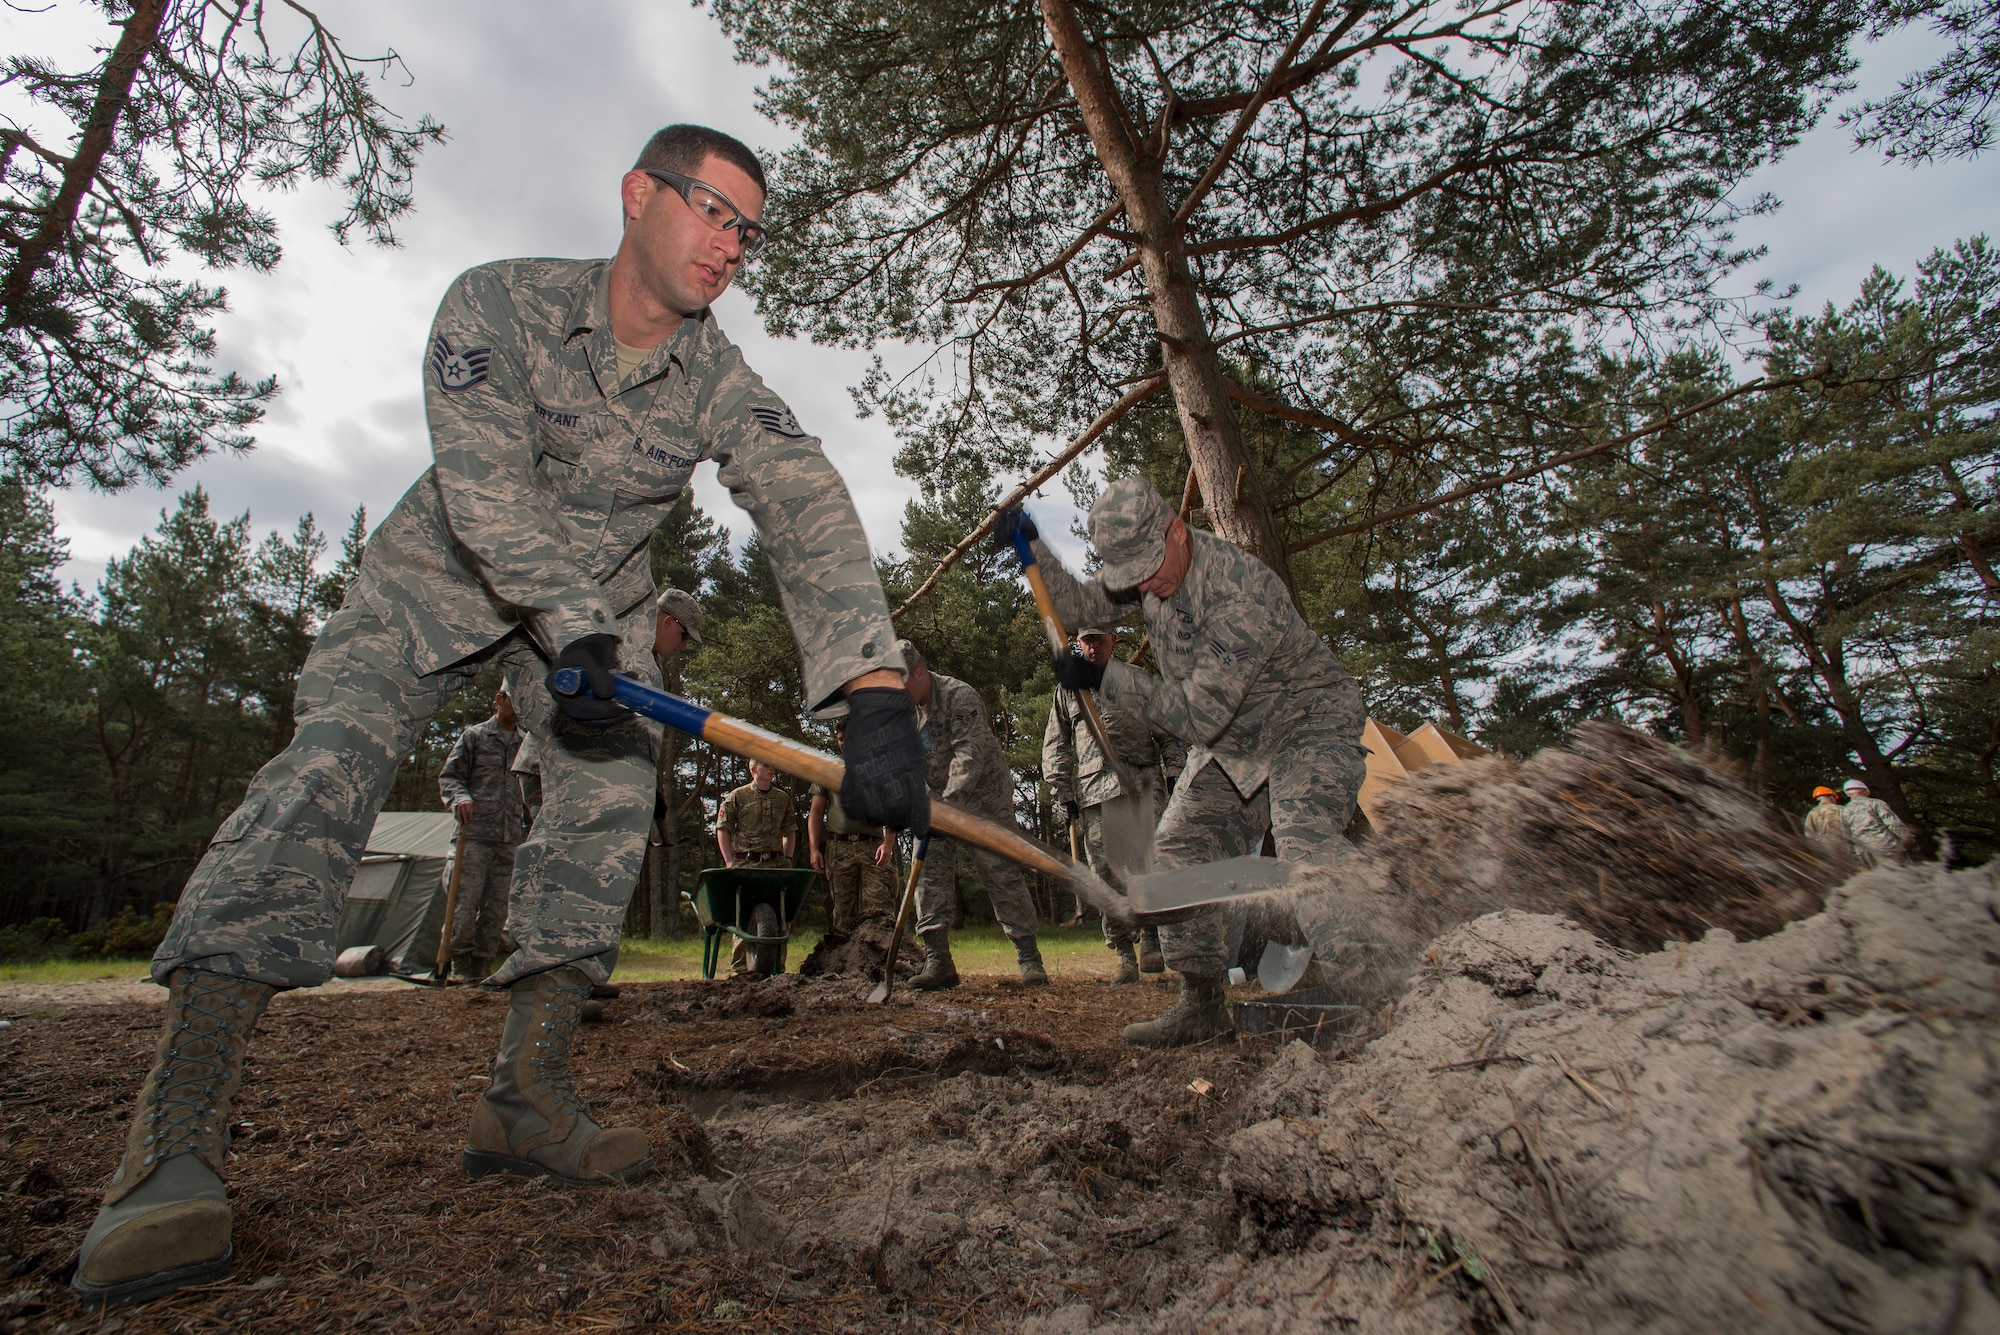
column 1074, row 767
column 1874, row 831
column 568, row 403
column 755, row 825
column 857, row 859
column 477, row 786
column 967, row 769
column 1272, row 721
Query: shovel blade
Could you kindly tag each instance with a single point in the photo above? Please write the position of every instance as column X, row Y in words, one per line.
column 880, row 994
column 1208, row 883
column 1282, row 966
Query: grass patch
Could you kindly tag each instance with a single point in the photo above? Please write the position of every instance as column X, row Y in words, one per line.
column 118, row 970
column 1076, row 951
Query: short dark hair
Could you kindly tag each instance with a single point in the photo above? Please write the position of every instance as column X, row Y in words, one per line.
column 683, row 148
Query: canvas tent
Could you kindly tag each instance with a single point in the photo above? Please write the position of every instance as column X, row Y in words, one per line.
column 397, row 898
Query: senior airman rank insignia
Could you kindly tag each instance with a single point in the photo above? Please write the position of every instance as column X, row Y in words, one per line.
column 458, row 370
column 779, row 422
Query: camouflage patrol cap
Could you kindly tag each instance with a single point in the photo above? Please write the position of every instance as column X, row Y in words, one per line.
column 1128, row 526
column 1082, row 631
column 683, row 608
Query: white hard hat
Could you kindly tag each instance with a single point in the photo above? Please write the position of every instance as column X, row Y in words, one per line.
column 1854, row 786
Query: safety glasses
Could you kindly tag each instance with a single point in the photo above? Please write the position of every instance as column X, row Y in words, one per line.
column 713, row 207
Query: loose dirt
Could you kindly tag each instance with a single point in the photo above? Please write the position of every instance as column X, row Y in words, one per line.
column 1539, row 1129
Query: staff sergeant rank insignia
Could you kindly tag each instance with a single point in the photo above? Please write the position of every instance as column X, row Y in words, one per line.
column 458, row 370
column 779, row 423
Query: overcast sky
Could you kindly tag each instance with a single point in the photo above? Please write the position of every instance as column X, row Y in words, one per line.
column 546, row 113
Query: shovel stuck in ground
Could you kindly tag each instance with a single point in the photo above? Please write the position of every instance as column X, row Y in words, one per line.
column 881, row 992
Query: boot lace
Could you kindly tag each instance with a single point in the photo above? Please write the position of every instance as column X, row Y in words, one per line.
column 562, row 1007
column 214, row 1017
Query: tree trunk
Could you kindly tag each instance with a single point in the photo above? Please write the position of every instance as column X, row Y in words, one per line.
column 114, row 90
column 1684, row 693
column 1231, row 490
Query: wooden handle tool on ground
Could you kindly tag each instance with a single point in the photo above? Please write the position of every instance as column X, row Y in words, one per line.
column 881, row 992
column 443, row 969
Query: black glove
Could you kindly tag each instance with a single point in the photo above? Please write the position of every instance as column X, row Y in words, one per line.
column 1071, row 811
column 1077, row 672
column 885, row 761
column 1011, row 521
column 598, row 707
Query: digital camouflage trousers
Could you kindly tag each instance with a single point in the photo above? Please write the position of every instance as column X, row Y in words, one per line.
column 937, row 892
column 265, row 900
column 1305, row 806
column 484, row 888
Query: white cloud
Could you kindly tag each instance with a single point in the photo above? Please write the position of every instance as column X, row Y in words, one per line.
column 546, row 107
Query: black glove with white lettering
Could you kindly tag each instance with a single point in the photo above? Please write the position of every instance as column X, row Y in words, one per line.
column 1011, row 521
column 597, row 656
column 1077, row 672
column 885, row 761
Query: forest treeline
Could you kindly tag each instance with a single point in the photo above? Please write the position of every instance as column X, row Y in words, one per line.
column 1802, row 578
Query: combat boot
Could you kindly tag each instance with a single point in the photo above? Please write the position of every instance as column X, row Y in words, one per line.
column 164, row 1224
column 938, row 972
column 1028, row 955
column 465, row 969
column 1197, row 1016
column 1150, row 958
column 530, row 1120
column 1128, row 964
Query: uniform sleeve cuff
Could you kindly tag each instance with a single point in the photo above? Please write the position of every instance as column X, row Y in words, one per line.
column 828, row 672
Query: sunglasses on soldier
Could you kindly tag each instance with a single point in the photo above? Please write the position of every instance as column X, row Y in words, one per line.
column 713, row 207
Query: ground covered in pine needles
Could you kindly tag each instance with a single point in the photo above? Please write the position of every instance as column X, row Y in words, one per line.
column 823, row 1161
column 1630, row 1061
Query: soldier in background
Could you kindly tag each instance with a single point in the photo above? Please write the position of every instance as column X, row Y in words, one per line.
column 967, row 769
column 476, row 783
column 1272, row 721
column 1877, row 833
column 569, row 402
column 1087, row 785
column 857, row 859
column 755, row 825
column 1825, row 824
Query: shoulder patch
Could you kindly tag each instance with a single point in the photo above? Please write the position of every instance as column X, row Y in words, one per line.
column 779, row 422
column 457, row 370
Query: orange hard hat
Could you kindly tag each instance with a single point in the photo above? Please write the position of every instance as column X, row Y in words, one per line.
column 1824, row 791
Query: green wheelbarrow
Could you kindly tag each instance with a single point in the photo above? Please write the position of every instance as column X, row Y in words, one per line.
column 755, row 905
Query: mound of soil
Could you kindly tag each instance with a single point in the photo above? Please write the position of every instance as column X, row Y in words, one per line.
column 1795, row 1133
column 860, row 953
column 1639, row 841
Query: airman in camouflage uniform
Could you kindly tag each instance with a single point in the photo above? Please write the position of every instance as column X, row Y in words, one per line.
column 857, row 859
column 967, row 769
column 478, row 788
column 558, row 447
column 1272, row 721
column 1087, row 785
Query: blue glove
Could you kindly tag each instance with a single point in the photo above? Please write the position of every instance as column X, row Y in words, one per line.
column 597, row 656
column 1077, row 672
column 1011, row 521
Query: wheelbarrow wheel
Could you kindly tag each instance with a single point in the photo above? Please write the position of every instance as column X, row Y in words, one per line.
column 766, row 957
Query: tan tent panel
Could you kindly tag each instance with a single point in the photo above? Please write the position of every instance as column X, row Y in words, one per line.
column 397, row 898
column 1394, row 756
